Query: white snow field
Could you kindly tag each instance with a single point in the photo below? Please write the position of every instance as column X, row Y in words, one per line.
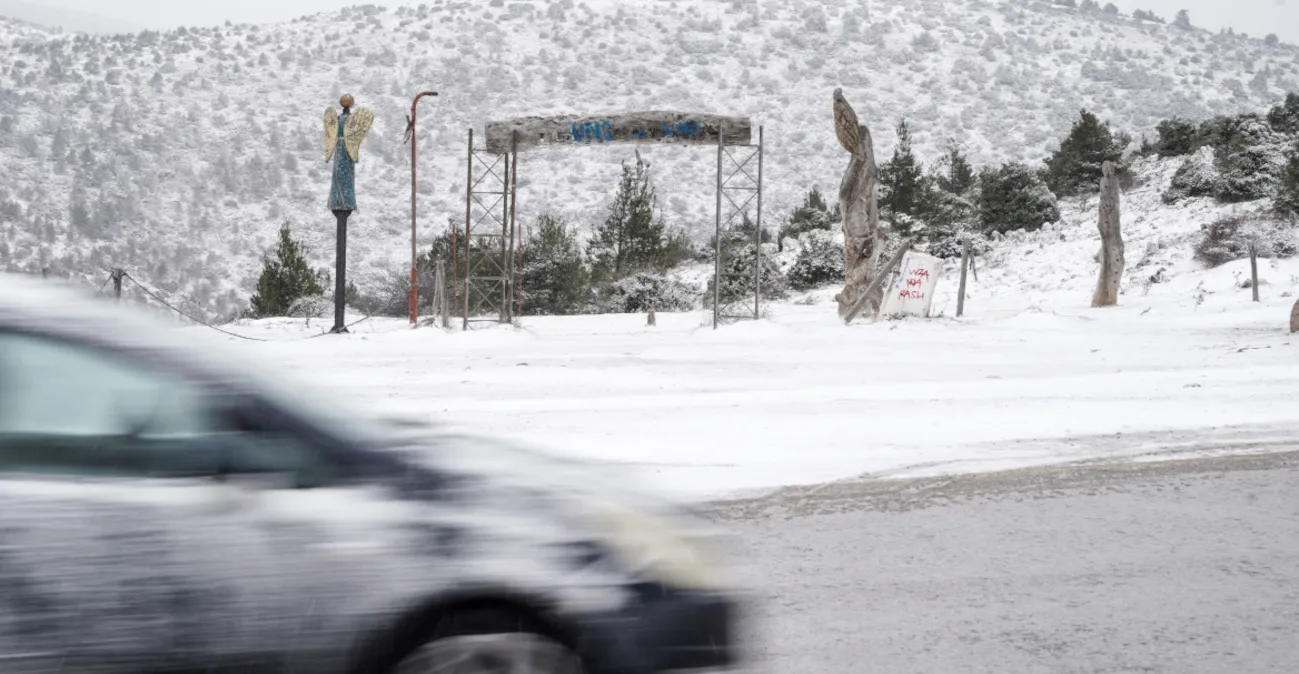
column 799, row 398
column 1031, row 374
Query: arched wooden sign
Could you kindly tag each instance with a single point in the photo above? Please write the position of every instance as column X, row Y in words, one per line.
column 629, row 127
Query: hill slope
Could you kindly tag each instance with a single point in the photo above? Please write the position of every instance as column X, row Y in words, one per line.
column 180, row 154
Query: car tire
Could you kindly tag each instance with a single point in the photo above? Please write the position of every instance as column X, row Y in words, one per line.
column 489, row 642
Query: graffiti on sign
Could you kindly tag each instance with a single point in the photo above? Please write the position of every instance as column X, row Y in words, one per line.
column 588, row 131
column 912, row 292
column 637, row 127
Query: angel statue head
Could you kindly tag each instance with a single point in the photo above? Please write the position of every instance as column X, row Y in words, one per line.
column 349, row 129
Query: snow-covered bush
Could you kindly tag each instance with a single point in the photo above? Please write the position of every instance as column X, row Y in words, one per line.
column 819, row 262
column 737, row 277
column 950, row 243
column 1227, row 239
column 1196, row 177
column 1226, row 134
column 1249, row 173
column 1177, row 137
column 1012, row 198
column 645, row 291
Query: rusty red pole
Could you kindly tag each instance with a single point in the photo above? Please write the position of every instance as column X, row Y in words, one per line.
column 414, row 253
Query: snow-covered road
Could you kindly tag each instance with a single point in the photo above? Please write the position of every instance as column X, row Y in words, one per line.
column 1186, row 568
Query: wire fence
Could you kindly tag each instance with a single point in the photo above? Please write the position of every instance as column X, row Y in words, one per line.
column 156, row 296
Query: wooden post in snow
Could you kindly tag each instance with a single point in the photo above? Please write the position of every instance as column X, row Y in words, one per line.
column 1107, row 286
column 443, row 302
column 965, row 267
column 1253, row 269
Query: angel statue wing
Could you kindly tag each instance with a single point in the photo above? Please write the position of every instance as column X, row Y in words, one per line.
column 358, row 124
column 331, row 132
column 846, row 126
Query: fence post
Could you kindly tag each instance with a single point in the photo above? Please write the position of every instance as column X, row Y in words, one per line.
column 1253, row 269
column 444, row 307
column 965, row 267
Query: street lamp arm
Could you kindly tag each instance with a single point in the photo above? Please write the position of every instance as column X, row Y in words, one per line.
column 414, row 254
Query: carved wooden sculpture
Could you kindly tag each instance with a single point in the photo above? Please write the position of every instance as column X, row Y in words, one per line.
column 858, row 205
column 1107, row 286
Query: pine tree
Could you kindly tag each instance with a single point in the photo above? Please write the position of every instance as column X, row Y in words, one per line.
column 285, row 279
column 956, row 175
column 900, row 180
column 813, row 214
column 1284, row 118
column 1182, row 20
column 631, row 238
column 556, row 279
column 1076, row 166
column 1012, row 198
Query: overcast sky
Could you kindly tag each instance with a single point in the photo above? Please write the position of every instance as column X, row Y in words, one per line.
column 1256, row 17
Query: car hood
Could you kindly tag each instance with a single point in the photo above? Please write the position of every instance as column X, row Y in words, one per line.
column 513, row 466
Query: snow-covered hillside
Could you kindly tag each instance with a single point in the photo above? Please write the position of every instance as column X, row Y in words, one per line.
column 180, row 154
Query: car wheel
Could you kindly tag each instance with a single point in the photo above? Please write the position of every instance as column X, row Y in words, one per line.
column 508, row 651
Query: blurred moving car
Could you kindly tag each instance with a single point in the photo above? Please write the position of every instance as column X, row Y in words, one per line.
column 163, row 509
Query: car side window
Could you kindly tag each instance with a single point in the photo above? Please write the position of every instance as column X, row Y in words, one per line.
column 67, row 408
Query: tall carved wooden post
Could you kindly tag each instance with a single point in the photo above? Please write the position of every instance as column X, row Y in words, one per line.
column 1107, row 286
column 861, row 219
column 346, row 130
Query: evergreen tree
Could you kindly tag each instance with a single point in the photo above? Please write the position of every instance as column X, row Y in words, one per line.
column 900, row 179
column 556, row 279
column 1284, row 118
column 1076, row 166
column 955, row 175
column 285, row 279
column 631, row 238
column 1012, row 198
column 1286, row 201
column 1177, row 137
column 1183, row 20
column 815, row 213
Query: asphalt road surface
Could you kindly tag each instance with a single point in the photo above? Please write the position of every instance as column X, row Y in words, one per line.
column 1183, row 567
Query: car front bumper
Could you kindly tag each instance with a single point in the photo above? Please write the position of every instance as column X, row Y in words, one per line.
column 665, row 630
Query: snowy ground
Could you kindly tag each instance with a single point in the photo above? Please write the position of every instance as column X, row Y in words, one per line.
column 799, row 398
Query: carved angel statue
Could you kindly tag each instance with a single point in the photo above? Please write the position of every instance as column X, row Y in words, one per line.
column 349, row 129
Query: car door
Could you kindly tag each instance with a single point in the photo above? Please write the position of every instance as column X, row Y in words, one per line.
column 119, row 552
